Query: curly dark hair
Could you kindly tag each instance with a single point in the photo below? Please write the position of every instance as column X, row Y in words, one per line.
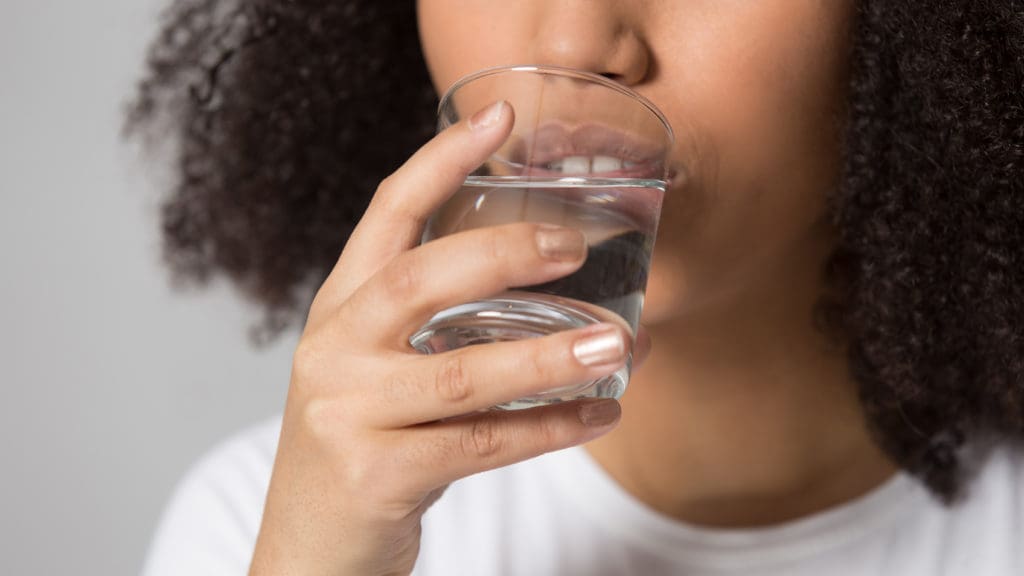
column 287, row 113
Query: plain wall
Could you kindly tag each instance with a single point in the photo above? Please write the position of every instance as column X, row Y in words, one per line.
column 113, row 383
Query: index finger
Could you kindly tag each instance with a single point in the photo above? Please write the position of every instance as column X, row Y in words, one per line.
column 393, row 223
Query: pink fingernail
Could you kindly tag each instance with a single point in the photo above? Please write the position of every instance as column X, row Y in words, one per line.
column 560, row 244
column 602, row 347
column 487, row 117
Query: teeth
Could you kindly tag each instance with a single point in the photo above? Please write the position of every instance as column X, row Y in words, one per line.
column 605, row 164
column 588, row 165
column 576, row 165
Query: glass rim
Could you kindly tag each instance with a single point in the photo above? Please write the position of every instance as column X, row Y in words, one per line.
column 559, row 71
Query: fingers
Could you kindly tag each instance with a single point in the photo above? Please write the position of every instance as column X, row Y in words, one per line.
column 497, row 439
column 460, row 268
column 428, row 388
column 394, row 220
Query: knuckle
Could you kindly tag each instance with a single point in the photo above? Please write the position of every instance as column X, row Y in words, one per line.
column 451, row 382
column 388, row 201
column 482, row 439
column 384, row 188
column 404, row 278
column 363, row 473
column 306, row 362
column 321, row 420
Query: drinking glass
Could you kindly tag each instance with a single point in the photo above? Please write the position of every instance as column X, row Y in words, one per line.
column 584, row 152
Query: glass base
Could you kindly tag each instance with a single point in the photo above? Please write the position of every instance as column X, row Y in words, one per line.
column 517, row 316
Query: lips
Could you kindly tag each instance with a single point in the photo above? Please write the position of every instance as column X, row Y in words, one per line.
column 555, row 150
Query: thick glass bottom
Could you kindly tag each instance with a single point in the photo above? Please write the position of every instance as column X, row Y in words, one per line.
column 517, row 316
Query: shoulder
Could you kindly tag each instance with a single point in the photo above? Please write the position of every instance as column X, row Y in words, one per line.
column 981, row 532
column 998, row 483
column 997, row 478
column 210, row 524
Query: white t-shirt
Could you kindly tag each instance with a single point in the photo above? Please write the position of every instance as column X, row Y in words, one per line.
column 562, row 514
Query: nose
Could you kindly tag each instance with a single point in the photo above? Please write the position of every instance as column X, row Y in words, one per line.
column 591, row 35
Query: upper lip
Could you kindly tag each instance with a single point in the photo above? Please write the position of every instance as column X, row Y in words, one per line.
column 553, row 142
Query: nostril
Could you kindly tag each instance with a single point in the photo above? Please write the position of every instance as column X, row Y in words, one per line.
column 619, row 78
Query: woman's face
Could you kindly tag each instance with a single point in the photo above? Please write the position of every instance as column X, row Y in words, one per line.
column 754, row 90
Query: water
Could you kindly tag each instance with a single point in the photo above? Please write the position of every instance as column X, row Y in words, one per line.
column 619, row 219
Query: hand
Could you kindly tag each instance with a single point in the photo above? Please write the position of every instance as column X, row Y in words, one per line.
column 373, row 431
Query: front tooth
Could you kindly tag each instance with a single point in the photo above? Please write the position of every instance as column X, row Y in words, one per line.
column 606, row 164
column 576, row 165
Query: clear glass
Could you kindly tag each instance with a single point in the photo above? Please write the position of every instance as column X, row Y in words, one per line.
column 584, row 152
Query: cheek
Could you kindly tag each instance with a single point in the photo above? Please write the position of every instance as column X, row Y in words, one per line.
column 461, row 36
column 759, row 86
column 763, row 82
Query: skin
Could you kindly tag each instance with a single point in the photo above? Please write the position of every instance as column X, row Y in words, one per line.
column 759, row 406
column 755, row 92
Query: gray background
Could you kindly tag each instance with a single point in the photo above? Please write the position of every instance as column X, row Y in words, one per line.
column 113, row 383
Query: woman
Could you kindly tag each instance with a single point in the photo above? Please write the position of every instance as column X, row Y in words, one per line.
column 836, row 295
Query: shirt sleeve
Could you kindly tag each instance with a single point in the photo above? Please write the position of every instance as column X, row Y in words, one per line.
column 210, row 524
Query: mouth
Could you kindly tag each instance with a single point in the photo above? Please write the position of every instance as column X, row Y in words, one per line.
column 556, row 151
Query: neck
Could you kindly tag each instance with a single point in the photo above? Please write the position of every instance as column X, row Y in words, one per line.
column 744, row 416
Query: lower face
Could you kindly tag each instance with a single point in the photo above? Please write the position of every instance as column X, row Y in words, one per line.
column 754, row 91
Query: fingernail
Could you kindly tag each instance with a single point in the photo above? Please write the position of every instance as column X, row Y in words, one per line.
column 560, row 244
column 604, row 346
column 487, row 117
column 599, row 413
